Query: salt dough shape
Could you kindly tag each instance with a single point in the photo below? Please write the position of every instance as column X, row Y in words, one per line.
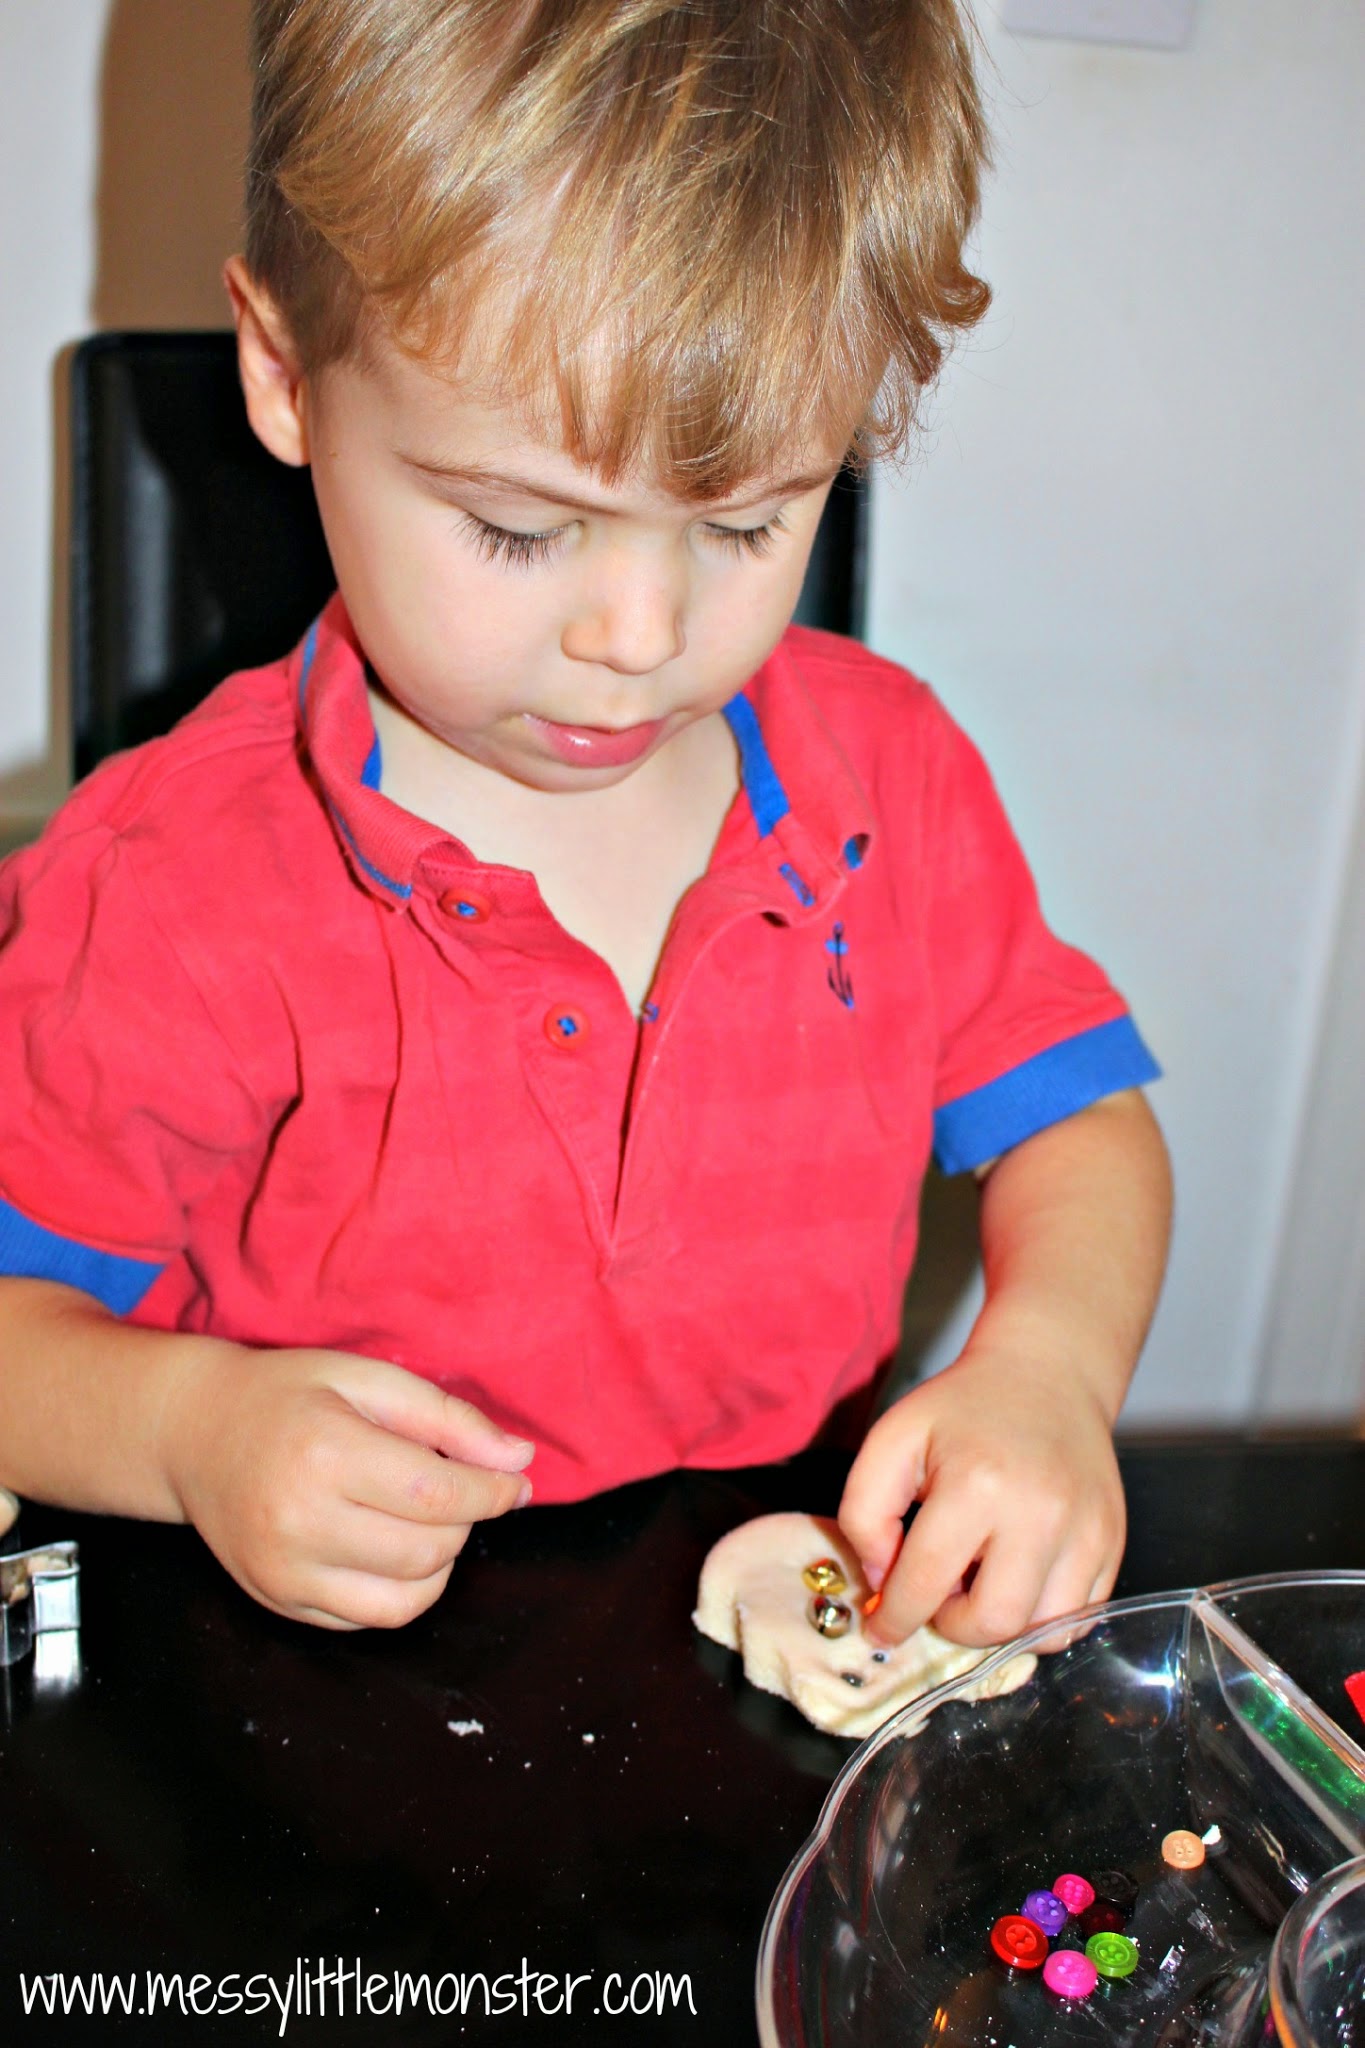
column 752, row 1599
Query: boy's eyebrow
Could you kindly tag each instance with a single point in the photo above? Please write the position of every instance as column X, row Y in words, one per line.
column 478, row 473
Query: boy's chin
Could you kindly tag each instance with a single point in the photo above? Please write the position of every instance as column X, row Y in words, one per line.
column 557, row 778
column 585, row 748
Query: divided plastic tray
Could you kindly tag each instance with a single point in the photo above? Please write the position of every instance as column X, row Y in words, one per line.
column 1222, row 1708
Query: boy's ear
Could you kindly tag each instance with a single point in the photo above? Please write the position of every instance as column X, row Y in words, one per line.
column 272, row 381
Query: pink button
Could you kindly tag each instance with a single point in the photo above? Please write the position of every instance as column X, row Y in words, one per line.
column 1070, row 1974
column 1074, row 1893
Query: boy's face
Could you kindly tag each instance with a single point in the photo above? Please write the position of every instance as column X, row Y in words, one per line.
column 551, row 627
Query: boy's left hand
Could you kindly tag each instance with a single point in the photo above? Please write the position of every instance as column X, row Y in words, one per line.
column 1013, row 1465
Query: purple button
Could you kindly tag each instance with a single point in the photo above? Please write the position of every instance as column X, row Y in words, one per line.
column 1070, row 1974
column 1047, row 1909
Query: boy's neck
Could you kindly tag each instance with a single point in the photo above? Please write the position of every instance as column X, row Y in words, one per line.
column 491, row 813
column 611, row 864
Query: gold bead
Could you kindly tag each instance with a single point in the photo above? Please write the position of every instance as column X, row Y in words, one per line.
column 828, row 1617
column 825, row 1576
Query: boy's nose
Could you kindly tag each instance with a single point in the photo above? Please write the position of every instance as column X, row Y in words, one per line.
column 634, row 624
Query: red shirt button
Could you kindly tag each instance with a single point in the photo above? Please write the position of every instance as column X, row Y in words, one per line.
column 565, row 1026
column 1018, row 1941
column 465, row 906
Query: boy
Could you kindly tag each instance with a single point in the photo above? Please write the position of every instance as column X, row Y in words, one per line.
column 515, row 1023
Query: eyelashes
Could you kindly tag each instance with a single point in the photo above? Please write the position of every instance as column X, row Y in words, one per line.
column 522, row 550
column 748, row 540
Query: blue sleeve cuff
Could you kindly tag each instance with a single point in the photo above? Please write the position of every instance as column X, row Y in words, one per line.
column 29, row 1252
column 1054, row 1084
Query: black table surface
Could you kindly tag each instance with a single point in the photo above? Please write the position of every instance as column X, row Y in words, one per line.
column 226, row 1794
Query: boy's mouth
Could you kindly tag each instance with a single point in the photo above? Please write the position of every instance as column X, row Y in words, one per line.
column 595, row 746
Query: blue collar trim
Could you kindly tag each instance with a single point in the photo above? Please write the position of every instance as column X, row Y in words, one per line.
column 402, row 890
column 762, row 785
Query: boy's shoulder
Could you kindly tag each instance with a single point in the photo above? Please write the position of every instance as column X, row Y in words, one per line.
column 847, row 680
column 876, row 710
column 210, row 817
column 834, row 663
column 211, row 837
column 242, row 738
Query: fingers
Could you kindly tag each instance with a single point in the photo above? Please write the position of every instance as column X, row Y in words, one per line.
column 1020, row 1513
column 364, row 1533
column 344, row 1565
column 399, row 1477
column 1077, row 1581
column 988, row 1556
column 407, row 1406
column 348, row 1600
column 1001, row 1601
column 1025, row 1572
column 359, row 1540
column 339, row 1489
column 936, row 1557
column 886, row 1476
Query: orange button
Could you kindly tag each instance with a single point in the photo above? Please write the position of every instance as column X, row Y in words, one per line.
column 1182, row 1850
column 466, row 906
column 565, row 1026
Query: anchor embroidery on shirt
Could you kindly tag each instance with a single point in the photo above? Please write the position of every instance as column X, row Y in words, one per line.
column 838, row 975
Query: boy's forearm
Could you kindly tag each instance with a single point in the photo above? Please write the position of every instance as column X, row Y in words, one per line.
column 84, row 1399
column 1075, row 1224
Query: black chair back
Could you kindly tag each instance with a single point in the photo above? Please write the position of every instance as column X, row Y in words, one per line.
column 193, row 552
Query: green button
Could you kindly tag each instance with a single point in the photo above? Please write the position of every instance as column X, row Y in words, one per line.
column 1114, row 1955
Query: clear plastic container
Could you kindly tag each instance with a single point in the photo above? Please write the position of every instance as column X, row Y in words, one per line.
column 1317, row 1966
column 1212, row 1711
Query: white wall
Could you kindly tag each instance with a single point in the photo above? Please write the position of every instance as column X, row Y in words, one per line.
column 1133, row 561
column 48, row 89
column 122, row 125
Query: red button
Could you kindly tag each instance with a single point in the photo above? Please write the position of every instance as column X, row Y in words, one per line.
column 1019, row 1941
column 565, row 1026
column 466, row 906
column 1104, row 1917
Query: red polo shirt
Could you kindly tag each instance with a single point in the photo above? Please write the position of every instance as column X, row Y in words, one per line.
column 281, row 1062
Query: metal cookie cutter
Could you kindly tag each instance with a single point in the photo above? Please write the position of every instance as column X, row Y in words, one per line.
column 40, row 1605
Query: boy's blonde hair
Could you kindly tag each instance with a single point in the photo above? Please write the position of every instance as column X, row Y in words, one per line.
column 710, row 234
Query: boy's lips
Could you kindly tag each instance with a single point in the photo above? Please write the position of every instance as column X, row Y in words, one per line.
column 596, row 746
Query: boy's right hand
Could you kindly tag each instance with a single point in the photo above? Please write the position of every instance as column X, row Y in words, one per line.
column 335, row 1489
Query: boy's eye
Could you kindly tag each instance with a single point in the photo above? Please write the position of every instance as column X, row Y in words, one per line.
column 507, row 544
column 748, row 540
column 504, row 544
